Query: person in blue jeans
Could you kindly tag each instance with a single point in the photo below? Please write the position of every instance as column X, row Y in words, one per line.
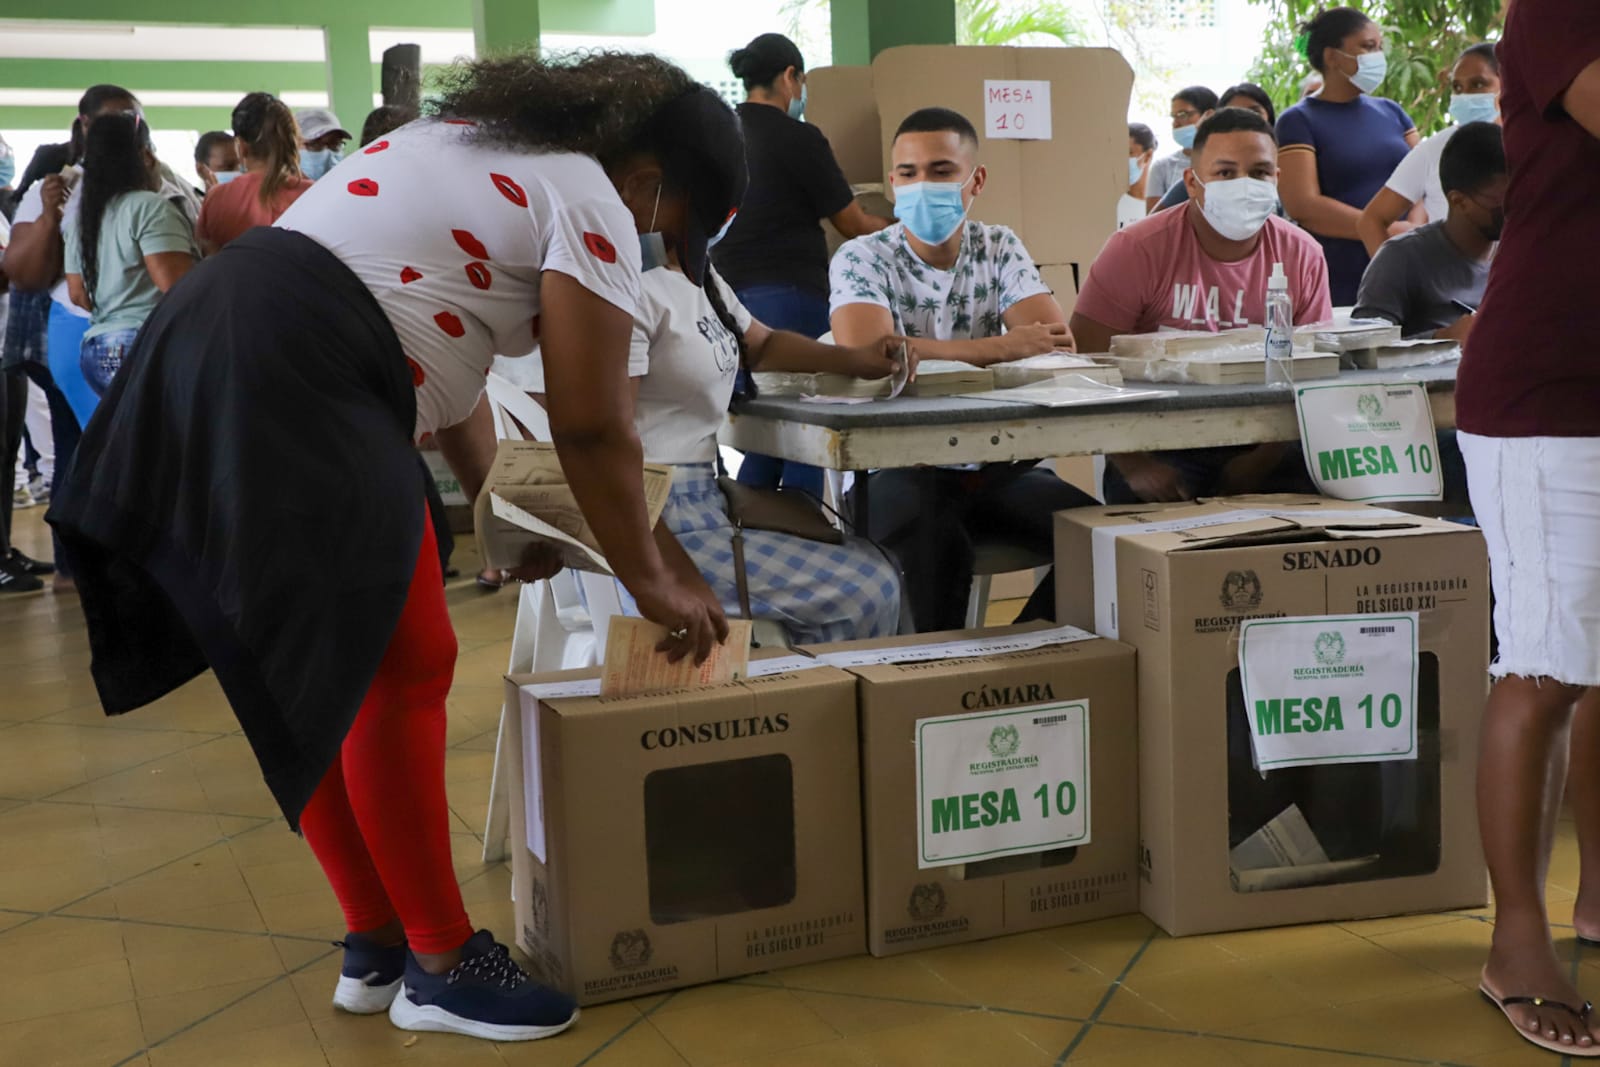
column 775, row 256
column 125, row 245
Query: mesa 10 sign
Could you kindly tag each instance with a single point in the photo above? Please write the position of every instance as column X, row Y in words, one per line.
column 1016, row 110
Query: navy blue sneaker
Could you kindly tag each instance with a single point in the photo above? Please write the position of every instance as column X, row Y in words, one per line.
column 371, row 976
column 487, row 995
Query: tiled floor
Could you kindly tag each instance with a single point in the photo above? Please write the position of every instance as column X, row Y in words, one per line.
column 155, row 911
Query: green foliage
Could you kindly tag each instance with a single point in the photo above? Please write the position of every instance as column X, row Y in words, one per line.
column 1422, row 37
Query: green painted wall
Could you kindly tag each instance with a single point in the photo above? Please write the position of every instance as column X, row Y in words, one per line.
column 863, row 28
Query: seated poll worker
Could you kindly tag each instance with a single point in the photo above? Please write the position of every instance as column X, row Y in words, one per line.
column 970, row 292
column 1205, row 266
column 689, row 342
column 1429, row 281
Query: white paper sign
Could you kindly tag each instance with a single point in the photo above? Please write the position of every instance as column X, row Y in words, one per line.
column 1002, row 784
column 1330, row 689
column 1016, row 110
column 1370, row 442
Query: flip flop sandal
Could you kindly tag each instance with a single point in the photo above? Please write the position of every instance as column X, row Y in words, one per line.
column 1546, row 1043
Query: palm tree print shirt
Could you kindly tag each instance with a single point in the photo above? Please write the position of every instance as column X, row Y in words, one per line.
column 992, row 272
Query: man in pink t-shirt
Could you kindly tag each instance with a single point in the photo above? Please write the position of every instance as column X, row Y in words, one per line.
column 1204, row 266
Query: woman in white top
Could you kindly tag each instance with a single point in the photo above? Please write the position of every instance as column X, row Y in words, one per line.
column 1475, row 95
column 248, row 498
column 689, row 342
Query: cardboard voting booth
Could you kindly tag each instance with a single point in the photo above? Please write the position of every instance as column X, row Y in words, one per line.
column 998, row 782
column 673, row 838
column 1312, row 674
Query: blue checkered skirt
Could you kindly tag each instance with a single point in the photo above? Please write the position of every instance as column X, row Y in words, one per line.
column 818, row 592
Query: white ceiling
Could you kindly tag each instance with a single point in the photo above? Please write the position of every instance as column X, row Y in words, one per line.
column 30, row 39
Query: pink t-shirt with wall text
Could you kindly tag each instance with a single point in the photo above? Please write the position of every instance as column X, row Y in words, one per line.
column 1154, row 274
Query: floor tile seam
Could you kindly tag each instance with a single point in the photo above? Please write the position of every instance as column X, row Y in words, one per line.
column 164, row 925
column 269, row 983
column 212, row 739
column 143, row 807
column 1213, row 1035
column 1111, row 991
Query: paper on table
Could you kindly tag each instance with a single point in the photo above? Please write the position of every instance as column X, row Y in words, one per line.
column 1070, row 390
column 633, row 665
column 526, row 498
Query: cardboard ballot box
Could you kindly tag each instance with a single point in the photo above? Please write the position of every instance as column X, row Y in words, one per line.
column 1311, row 678
column 681, row 837
column 998, row 772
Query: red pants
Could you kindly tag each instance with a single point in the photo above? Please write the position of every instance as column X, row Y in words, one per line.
column 379, row 823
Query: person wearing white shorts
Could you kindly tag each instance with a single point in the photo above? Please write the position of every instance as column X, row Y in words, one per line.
column 1528, row 408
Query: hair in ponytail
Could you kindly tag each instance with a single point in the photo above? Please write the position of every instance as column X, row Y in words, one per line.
column 267, row 127
column 114, row 162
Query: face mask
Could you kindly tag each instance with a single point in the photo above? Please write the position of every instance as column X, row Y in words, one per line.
column 1371, row 69
column 932, row 211
column 653, row 245
column 1184, row 135
column 1238, row 208
column 1474, row 107
column 1135, row 171
column 225, row 176
column 797, row 106
column 8, row 166
column 315, row 162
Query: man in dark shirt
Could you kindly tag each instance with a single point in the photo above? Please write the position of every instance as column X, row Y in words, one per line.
column 775, row 256
column 1430, row 281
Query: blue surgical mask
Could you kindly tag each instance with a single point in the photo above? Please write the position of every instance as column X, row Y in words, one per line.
column 8, row 165
column 932, row 211
column 652, row 251
column 1135, row 170
column 1371, row 69
column 1184, row 135
column 797, row 106
column 315, row 162
column 225, row 176
column 1474, row 107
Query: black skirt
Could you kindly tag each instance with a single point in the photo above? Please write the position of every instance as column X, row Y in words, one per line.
column 248, row 498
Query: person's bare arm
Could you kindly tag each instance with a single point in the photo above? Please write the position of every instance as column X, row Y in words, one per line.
column 76, row 290
column 1092, row 336
column 468, row 447
column 584, row 343
column 1385, row 216
column 782, row 350
column 1582, row 98
column 1302, row 197
column 860, row 324
column 167, row 267
column 856, row 221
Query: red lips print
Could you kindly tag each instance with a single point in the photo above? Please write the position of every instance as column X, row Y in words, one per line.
column 363, row 187
column 374, row 148
column 600, row 248
column 450, row 324
column 478, row 274
column 470, row 244
column 510, row 189
column 409, row 275
column 417, row 377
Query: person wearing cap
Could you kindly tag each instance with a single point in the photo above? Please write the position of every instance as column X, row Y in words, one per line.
column 321, row 141
column 775, row 256
column 249, row 498
column 964, row 291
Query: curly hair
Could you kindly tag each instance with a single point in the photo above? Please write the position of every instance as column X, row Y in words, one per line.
column 597, row 103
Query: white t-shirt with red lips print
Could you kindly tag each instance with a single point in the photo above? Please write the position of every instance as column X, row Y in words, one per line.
column 451, row 236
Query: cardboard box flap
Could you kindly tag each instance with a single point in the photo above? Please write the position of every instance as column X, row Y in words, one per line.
column 579, row 690
column 885, row 657
column 841, row 104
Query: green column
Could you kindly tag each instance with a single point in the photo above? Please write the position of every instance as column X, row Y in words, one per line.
column 505, row 25
column 863, row 28
column 350, row 81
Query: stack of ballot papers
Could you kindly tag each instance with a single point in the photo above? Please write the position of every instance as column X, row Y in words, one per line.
column 1224, row 367
column 1355, row 335
column 632, row 664
column 526, row 499
column 935, row 377
column 1417, row 352
column 1069, row 390
column 1044, row 368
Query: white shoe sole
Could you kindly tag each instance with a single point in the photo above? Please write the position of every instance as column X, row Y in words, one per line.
column 429, row 1017
column 358, row 998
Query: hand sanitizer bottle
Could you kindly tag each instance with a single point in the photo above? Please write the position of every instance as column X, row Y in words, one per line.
column 1280, row 329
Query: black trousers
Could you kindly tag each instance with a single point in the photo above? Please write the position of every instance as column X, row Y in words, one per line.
column 931, row 518
column 13, row 407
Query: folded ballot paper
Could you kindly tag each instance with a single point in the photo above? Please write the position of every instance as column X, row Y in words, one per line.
column 526, row 499
column 632, row 664
column 1036, row 369
column 935, row 377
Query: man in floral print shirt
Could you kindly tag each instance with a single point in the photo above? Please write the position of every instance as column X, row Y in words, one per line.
column 967, row 291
